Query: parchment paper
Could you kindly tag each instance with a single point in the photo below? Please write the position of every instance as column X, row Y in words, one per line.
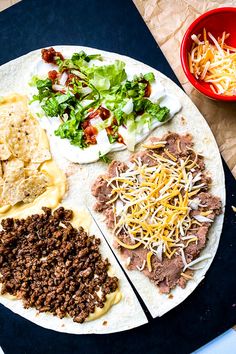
column 168, row 20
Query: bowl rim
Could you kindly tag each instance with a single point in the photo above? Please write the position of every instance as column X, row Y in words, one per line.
column 184, row 60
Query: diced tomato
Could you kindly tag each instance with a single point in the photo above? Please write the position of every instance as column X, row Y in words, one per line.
column 90, row 133
column 49, row 55
column 148, row 90
column 70, row 78
column 120, row 139
column 102, row 112
column 53, row 75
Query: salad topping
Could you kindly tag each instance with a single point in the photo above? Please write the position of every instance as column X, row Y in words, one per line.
column 97, row 102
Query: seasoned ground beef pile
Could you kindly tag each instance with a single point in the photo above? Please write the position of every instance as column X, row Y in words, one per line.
column 52, row 266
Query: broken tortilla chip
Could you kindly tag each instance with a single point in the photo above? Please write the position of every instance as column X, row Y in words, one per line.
column 30, row 188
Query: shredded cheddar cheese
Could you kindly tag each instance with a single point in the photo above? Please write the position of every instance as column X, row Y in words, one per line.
column 152, row 205
column 214, row 62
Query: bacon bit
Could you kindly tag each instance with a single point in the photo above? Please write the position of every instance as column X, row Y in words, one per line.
column 104, row 323
column 50, row 55
column 53, row 75
column 170, row 296
column 102, row 112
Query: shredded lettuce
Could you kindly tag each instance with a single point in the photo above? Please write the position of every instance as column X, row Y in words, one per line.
column 107, row 76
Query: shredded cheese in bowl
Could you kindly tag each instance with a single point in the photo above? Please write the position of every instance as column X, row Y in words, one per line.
column 213, row 61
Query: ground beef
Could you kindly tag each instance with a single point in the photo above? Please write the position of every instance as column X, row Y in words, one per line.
column 52, row 266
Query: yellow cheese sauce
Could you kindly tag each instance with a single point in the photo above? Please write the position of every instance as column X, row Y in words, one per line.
column 82, row 218
column 56, row 178
column 51, row 198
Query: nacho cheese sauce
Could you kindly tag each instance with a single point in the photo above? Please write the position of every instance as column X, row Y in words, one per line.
column 93, row 152
column 56, row 186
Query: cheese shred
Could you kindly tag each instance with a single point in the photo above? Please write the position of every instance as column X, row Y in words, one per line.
column 156, row 204
column 214, row 62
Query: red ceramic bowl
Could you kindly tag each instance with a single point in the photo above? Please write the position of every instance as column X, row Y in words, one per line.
column 215, row 21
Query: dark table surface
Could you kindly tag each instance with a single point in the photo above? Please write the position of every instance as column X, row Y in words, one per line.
column 115, row 25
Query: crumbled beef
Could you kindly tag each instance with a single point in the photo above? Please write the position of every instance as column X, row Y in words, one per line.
column 52, row 266
column 50, row 55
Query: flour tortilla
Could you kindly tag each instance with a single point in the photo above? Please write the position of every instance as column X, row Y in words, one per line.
column 15, row 76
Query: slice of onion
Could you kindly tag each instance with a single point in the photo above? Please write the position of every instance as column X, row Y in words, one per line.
column 56, row 87
column 63, row 78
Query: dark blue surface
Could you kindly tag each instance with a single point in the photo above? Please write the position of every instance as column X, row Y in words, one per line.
column 115, row 25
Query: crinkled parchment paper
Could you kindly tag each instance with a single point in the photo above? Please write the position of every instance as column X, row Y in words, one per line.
column 168, row 20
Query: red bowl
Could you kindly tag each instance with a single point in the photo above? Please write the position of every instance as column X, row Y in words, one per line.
column 215, row 21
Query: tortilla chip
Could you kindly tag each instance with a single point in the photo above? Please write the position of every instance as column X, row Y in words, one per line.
column 22, row 137
column 5, row 153
column 41, row 155
column 31, row 169
column 13, row 170
column 30, row 188
column 10, row 195
column 1, row 190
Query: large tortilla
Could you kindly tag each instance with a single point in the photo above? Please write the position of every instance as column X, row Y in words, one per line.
column 15, row 76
